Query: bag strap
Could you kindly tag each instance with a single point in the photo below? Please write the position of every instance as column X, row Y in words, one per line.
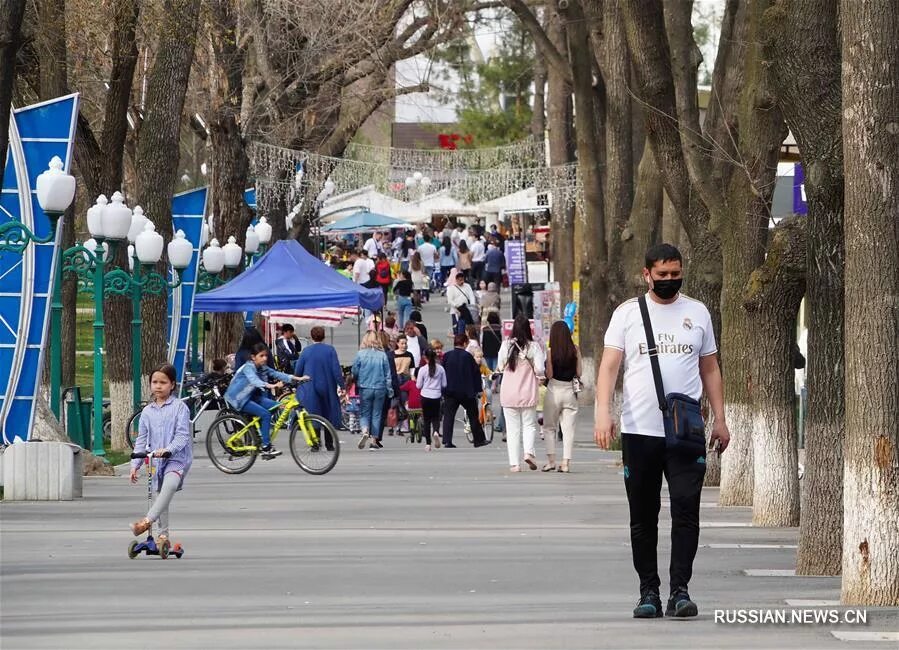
column 653, row 354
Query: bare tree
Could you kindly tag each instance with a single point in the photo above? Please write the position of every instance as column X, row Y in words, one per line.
column 806, row 74
column 11, row 14
column 871, row 151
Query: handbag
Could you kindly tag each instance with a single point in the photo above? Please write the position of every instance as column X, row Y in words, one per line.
column 392, row 418
column 682, row 415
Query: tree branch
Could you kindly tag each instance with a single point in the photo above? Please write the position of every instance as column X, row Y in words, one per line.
column 555, row 59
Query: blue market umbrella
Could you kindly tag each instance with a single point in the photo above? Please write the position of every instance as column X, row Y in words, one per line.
column 365, row 221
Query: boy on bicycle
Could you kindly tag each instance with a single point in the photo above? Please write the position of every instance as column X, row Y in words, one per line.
column 246, row 393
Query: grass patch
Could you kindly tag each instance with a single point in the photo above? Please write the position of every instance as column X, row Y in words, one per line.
column 116, row 457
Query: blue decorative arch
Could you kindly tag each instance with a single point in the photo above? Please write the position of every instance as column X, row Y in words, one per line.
column 36, row 134
column 188, row 209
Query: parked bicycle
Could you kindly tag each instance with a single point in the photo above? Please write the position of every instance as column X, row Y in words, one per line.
column 202, row 396
column 233, row 440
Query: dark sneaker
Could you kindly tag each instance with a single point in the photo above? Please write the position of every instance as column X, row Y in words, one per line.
column 680, row 605
column 268, row 452
column 649, row 606
column 376, row 443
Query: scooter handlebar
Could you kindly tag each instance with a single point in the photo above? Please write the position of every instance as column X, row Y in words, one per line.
column 144, row 454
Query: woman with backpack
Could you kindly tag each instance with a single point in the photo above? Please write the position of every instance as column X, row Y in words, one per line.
column 383, row 275
column 521, row 361
column 563, row 372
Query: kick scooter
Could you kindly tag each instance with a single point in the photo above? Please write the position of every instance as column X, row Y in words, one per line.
column 149, row 545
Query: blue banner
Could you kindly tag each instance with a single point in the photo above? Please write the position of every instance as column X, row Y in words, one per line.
column 800, row 205
column 516, row 264
column 36, row 134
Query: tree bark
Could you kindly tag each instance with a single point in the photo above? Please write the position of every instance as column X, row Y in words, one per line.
column 230, row 164
column 643, row 228
column 594, row 303
column 772, row 299
column 561, row 152
column 158, row 146
column 538, row 112
column 806, row 74
column 619, row 177
column 871, row 151
column 11, row 14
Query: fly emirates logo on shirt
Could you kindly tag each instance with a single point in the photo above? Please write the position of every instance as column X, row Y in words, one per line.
column 668, row 344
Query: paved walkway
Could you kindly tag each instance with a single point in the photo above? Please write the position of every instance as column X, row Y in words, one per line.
column 393, row 549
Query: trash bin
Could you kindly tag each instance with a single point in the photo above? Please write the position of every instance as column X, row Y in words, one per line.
column 42, row 471
column 523, row 298
column 78, row 417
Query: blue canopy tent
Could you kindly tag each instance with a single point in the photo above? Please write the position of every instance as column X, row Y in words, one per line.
column 288, row 277
column 364, row 222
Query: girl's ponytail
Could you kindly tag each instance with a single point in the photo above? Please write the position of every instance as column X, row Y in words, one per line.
column 431, row 356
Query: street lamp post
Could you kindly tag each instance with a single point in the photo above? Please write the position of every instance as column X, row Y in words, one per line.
column 146, row 250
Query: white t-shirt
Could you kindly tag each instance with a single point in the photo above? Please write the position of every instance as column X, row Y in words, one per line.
column 683, row 331
column 428, row 252
column 362, row 269
column 478, row 252
column 372, row 247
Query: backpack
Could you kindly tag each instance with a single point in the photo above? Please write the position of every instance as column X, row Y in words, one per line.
column 384, row 272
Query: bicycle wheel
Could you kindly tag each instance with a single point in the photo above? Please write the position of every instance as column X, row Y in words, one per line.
column 133, row 428
column 321, row 456
column 224, row 456
column 488, row 422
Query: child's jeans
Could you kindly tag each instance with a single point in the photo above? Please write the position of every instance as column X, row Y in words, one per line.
column 260, row 407
column 404, row 306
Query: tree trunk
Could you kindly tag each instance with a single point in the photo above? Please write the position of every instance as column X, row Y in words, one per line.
column 158, row 147
column 619, row 177
column 230, row 164
column 51, row 37
column 538, row 114
column 871, row 151
column 772, row 300
column 806, row 74
column 594, row 304
column 644, row 225
column 11, row 14
column 559, row 117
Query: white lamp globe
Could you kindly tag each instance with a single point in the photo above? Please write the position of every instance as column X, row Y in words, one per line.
column 213, row 257
column 180, row 251
column 417, row 176
column 55, row 188
column 329, row 187
column 95, row 218
column 138, row 221
column 410, row 181
column 264, row 230
column 116, row 219
column 233, row 253
column 91, row 245
column 251, row 244
column 425, row 181
column 130, row 257
column 148, row 245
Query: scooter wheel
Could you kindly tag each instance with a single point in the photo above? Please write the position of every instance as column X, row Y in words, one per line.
column 164, row 549
column 178, row 551
column 132, row 549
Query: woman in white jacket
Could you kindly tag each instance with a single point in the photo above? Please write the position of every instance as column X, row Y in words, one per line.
column 521, row 360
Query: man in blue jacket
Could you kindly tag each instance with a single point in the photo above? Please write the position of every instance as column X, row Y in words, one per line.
column 463, row 385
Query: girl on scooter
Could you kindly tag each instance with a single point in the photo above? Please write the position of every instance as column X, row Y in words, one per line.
column 164, row 427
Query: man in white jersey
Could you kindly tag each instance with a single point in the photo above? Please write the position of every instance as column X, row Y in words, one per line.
column 687, row 357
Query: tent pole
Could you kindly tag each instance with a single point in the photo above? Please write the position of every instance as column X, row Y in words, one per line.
column 359, row 330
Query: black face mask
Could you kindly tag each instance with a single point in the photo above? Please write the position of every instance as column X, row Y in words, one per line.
column 666, row 289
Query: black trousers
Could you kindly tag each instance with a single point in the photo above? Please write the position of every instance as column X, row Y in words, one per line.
column 451, row 404
column 477, row 272
column 646, row 460
column 430, row 413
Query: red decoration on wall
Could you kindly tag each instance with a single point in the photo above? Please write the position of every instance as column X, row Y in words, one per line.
column 449, row 140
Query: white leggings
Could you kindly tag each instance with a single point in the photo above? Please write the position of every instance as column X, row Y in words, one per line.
column 559, row 407
column 521, row 423
column 160, row 510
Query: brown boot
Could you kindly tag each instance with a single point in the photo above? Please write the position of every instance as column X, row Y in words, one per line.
column 141, row 526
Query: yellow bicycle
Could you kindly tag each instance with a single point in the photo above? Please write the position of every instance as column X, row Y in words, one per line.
column 233, row 440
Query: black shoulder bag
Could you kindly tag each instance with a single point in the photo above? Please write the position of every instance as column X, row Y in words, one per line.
column 682, row 415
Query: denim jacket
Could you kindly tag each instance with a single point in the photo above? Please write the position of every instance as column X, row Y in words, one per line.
column 247, row 379
column 372, row 370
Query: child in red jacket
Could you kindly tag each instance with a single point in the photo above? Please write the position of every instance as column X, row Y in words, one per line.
column 413, row 405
